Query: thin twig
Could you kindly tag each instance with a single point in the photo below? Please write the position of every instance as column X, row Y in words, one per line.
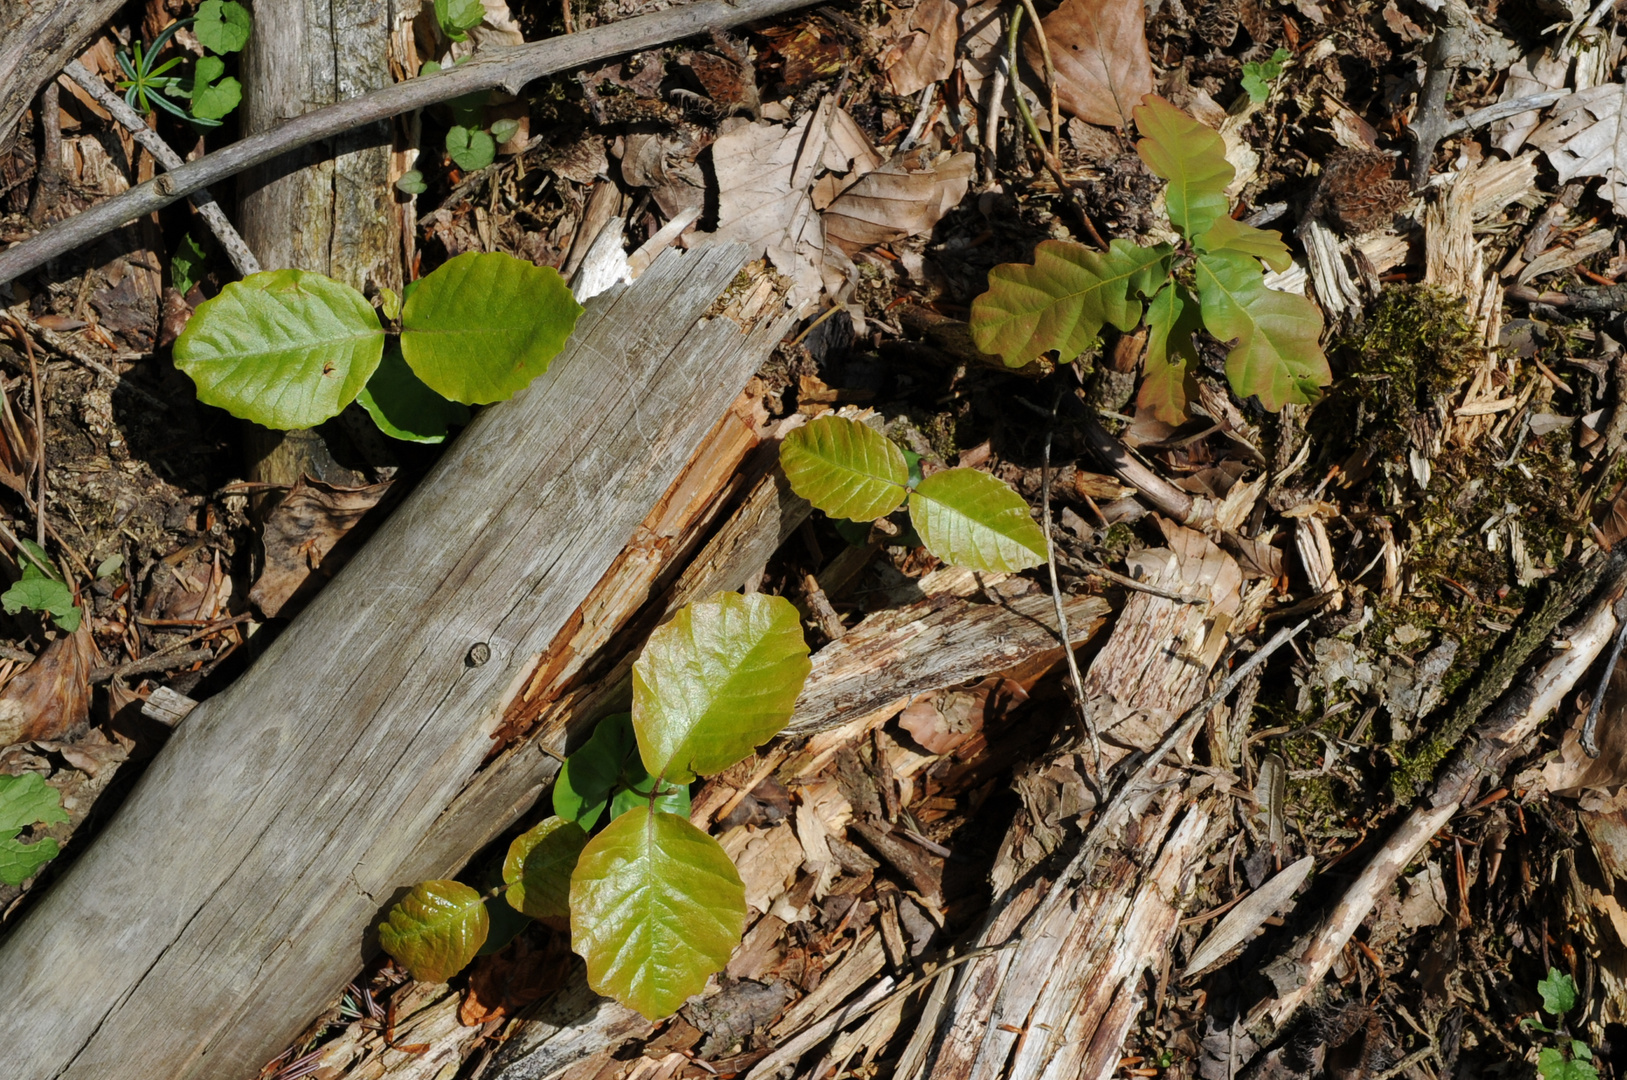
column 509, row 69
column 1139, row 586
column 39, row 428
column 1081, row 706
column 234, row 245
column 1502, row 110
column 1050, row 78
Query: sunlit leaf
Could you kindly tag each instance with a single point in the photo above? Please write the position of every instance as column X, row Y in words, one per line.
column 485, row 324
column 436, row 929
column 1062, row 301
column 971, row 519
column 35, row 591
column 222, row 26
column 459, row 16
column 285, row 348
column 845, row 468
column 717, row 681
column 1265, row 245
column 1558, row 992
column 1192, row 157
column 1100, row 51
column 469, row 147
column 538, row 867
column 656, row 907
column 404, row 408
column 1172, row 356
column 26, row 800
column 1278, row 356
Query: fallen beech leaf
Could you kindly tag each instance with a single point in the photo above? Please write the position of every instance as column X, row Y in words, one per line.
column 504, row 983
column 301, row 535
column 905, row 197
column 52, row 697
column 1584, row 136
column 942, row 721
column 1099, row 48
column 926, row 54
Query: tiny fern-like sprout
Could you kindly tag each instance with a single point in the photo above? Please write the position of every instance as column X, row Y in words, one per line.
column 1214, row 281
column 964, row 517
column 655, row 904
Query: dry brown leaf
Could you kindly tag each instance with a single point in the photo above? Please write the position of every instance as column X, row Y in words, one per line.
column 505, row 982
column 51, row 699
column 1099, row 48
column 926, row 54
column 905, row 197
column 1586, row 135
column 942, row 721
column 301, row 535
column 1257, row 558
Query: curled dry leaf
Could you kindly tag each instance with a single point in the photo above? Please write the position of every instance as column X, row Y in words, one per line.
column 1099, row 48
column 905, row 197
column 1585, row 136
column 301, row 535
column 926, row 53
column 51, row 698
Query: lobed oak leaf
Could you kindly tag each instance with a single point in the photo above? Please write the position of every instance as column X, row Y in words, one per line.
column 1278, row 354
column 1062, row 301
column 1172, row 319
column 1192, row 157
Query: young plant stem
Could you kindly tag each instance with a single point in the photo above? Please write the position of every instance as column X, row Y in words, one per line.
column 1078, row 683
column 1050, row 78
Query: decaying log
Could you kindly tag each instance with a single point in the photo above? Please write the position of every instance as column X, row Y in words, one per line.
column 37, row 39
column 229, row 899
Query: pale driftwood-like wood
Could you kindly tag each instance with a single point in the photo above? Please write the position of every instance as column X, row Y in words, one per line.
column 37, row 38
column 230, row 898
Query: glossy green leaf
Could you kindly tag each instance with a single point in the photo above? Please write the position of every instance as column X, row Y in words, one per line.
column 971, row 519
column 845, row 468
column 222, row 26
column 656, row 907
column 538, row 867
column 1191, row 156
column 470, row 148
column 1278, row 351
column 1265, row 245
column 485, row 324
column 589, row 776
column 26, row 800
column 212, row 100
column 674, row 798
column 436, row 929
column 1062, row 301
column 457, row 17
column 285, row 348
column 1172, row 356
column 716, row 682
column 404, row 408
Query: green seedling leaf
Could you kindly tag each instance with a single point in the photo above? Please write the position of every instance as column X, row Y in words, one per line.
column 34, row 556
column 1558, row 993
column 186, row 267
column 845, row 468
column 212, row 100
column 1061, row 302
column 457, row 17
column 411, row 183
column 109, row 566
column 1258, row 77
column 538, row 867
column 971, row 519
column 470, row 148
column 716, row 682
column 223, row 26
column 404, row 408
column 1172, row 356
column 36, row 592
column 590, row 775
column 1191, row 156
column 1552, row 1065
column 26, row 800
column 436, row 929
column 484, row 325
column 656, row 907
column 285, row 349
column 390, row 304
column 503, row 130
column 1278, row 355
column 674, row 798
column 1265, row 245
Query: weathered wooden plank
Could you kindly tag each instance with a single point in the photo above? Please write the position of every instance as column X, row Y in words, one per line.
column 37, row 39
column 228, row 900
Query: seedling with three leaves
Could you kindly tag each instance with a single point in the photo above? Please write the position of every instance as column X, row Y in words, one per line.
column 964, row 517
column 290, row 349
column 1212, row 280
column 655, row 904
